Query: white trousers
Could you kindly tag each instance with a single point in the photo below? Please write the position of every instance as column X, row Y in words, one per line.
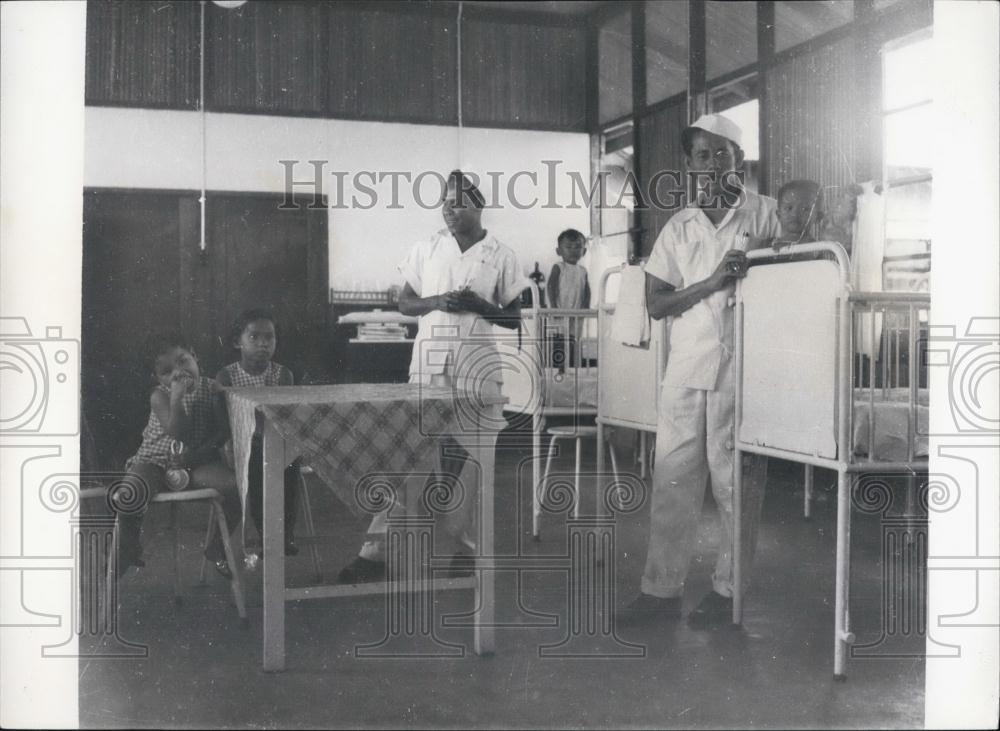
column 458, row 521
column 694, row 444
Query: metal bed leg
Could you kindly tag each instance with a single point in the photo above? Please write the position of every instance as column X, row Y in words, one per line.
column 598, row 509
column 642, row 455
column 111, row 575
column 576, row 480
column 737, row 572
column 842, row 634
column 808, row 492
column 614, row 464
column 537, row 424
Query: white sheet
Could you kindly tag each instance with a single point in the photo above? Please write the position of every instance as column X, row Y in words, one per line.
column 891, row 425
column 576, row 387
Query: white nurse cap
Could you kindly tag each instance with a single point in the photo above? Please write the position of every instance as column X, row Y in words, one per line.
column 719, row 125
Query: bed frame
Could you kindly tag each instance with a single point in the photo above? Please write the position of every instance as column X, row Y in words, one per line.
column 813, row 421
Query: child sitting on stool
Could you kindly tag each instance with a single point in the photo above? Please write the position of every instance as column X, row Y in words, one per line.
column 181, row 409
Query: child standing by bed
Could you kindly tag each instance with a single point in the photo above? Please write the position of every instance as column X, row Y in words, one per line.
column 568, row 289
column 255, row 336
column 180, row 410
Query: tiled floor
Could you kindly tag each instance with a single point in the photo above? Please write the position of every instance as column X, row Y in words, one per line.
column 203, row 669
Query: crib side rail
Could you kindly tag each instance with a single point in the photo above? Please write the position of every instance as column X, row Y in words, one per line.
column 568, row 338
column 889, row 354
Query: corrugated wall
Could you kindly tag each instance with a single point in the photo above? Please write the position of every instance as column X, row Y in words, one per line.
column 818, row 124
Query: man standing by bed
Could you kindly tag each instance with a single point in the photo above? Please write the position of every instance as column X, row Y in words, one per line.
column 690, row 277
column 460, row 283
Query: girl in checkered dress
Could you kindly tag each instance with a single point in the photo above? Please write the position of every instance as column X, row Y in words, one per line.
column 254, row 335
column 181, row 408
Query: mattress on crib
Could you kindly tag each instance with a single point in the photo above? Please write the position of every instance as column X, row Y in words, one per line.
column 575, row 387
column 891, row 425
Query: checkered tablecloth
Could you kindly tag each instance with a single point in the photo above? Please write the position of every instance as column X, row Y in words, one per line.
column 350, row 432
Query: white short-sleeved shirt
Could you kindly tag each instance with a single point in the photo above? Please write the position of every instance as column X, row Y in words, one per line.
column 460, row 344
column 688, row 250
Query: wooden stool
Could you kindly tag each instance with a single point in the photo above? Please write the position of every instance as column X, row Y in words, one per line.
column 216, row 520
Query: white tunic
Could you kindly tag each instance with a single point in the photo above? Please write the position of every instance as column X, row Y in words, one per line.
column 460, row 344
column 688, row 250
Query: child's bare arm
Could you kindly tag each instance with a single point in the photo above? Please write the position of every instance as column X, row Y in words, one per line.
column 169, row 409
column 552, row 288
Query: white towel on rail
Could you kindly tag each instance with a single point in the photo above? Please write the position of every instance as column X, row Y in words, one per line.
column 866, row 262
column 631, row 321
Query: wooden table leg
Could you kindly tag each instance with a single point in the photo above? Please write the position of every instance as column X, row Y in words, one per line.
column 274, row 550
column 484, row 642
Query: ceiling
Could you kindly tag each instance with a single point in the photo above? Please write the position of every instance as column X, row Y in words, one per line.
column 571, row 8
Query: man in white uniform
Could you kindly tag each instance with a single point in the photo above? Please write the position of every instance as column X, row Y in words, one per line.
column 690, row 277
column 460, row 283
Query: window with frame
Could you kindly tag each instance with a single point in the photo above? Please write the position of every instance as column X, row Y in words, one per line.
column 907, row 129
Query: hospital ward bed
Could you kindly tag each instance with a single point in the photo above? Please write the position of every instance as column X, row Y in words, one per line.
column 822, row 378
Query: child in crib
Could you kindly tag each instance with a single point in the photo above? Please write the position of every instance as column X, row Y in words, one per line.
column 798, row 209
column 568, row 289
column 180, row 411
column 254, row 335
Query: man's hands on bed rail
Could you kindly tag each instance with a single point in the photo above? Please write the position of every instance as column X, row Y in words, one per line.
column 732, row 267
column 664, row 300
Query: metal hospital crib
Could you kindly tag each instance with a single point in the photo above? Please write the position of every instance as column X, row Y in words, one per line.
column 549, row 370
column 822, row 378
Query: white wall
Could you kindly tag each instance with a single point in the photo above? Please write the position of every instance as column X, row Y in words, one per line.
column 140, row 148
column 41, row 174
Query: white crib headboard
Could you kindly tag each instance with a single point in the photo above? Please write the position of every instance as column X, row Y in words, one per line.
column 628, row 377
column 790, row 336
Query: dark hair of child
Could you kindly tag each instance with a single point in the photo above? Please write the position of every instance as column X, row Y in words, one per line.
column 247, row 317
column 571, row 234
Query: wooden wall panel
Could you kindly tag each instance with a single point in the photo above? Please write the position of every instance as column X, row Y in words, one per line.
column 817, row 125
column 267, row 57
column 524, row 75
column 660, row 151
column 391, row 66
column 142, row 54
column 337, row 60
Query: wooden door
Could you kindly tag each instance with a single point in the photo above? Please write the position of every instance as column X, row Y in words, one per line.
column 144, row 272
column 259, row 256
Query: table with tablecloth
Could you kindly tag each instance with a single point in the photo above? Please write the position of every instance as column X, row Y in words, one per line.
column 348, row 434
